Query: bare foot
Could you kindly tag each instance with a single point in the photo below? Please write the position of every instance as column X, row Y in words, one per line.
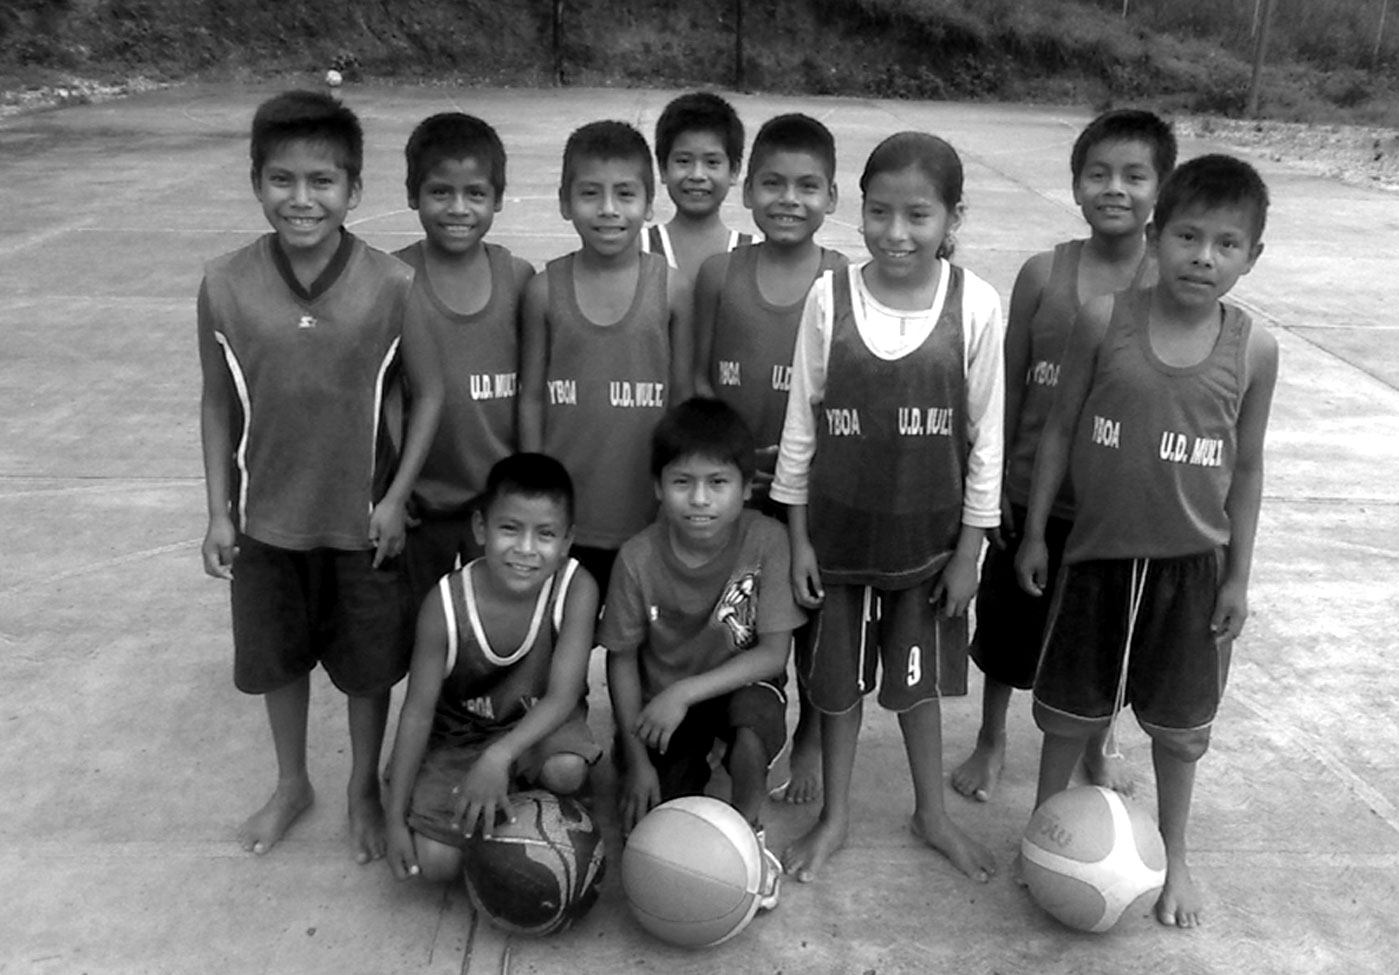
column 804, row 858
column 805, row 782
column 368, row 836
column 943, row 835
column 977, row 776
column 1180, row 904
column 1110, row 773
column 264, row 828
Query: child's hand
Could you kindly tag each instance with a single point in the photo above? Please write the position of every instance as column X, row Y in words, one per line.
column 1032, row 565
column 641, row 790
column 402, row 854
column 1230, row 611
column 660, row 717
column 1003, row 535
column 955, row 587
column 806, row 576
column 220, row 547
column 483, row 794
column 386, row 530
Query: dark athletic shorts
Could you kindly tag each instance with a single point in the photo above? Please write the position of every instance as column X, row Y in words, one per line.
column 1176, row 670
column 684, row 768
column 1010, row 622
column 859, row 629
column 432, row 807
column 434, row 547
column 293, row 610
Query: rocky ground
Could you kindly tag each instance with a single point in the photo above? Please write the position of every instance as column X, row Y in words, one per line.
column 1361, row 155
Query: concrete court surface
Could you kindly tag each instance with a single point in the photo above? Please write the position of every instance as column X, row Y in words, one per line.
column 127, row 758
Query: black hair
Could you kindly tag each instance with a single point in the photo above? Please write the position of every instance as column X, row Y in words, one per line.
column 310, row 115
column 700, row 111
column 1127, row 125
column 794, row 132
column 607, row 140
column 453, row 135
column 530, row 475
column 1212, row 182
column 703, row 427
column 931, row 155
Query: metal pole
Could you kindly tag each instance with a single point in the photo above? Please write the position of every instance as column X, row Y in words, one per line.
column 1259, row 51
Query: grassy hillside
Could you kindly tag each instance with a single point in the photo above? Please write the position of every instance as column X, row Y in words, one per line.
column 1189, row 55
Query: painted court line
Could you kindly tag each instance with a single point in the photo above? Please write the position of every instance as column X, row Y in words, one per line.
column 88, row 568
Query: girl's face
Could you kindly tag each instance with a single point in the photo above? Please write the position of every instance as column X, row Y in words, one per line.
column 905, row 223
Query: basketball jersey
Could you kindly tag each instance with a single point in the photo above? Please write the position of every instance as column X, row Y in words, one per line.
column 308, row 374
column 1154, row 450
column 887, row 481
column 750, row 363
column 1049, row 334
column 655, row 239
column 605, row 388
column 487, row 689
column 480, row 362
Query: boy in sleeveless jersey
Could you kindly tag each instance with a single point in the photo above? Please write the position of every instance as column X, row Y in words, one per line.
column 748, row 304
column 697, row 626
column 498, row 673
column 1117, row 164
column 605, row 342
column 699, row 148
column 299, row 336
column 467, row 292
column 1161, row 414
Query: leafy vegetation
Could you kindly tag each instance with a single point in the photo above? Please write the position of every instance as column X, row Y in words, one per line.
column 1325, row 60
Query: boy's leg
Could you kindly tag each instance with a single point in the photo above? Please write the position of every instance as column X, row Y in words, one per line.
column 1180, row 902
column 976, row 777
column 804, row 780
column 368, row 716
column 748, row 772
column 922, row 731
column 839, row 735
column 287, row 709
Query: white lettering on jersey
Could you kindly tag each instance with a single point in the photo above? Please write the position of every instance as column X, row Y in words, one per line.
column 729, row 373
column 843, row 422
column 563, row 392
column 1043, row 373
column 782, row 378
column 627, row 395
column 1107, row 433
column 481, row 707
column 501, row 385
column 1175, row 447
column 1207, row 452
column 936, row 421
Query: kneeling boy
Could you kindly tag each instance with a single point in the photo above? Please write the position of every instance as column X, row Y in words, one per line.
column 499, row 668
column 698, row 622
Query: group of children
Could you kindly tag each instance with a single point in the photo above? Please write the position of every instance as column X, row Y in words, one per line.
column 697, row 452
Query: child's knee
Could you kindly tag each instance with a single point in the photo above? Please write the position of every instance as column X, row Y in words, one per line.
column 1184, row 745
column 437, row 862
column 563, row 774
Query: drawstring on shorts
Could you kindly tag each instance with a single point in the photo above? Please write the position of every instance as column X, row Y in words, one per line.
column 1111, row 749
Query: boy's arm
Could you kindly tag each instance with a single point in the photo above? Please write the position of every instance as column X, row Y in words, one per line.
column 424, row 374
column 485, row 789
column 806, row 573
column 641, row 787
column 1246, row 487
column 707, row 285
column 534, row 362
column 425, row 676
column 1052, row 455
column 681, row 300
column 216, row 437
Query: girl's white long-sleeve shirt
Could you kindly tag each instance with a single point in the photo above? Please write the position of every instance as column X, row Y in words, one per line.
column 890, row 334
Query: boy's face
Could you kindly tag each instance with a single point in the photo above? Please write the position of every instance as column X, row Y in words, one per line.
column 790, row 196
column 607, row 204
column 457, row 204
column 1116, row 188
column 698, row 173
column 1201, row 252
column 306, row 194
column 525, row 537
column 701, row 499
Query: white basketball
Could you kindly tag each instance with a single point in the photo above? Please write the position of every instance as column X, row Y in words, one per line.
column 333, row 78
column 1090, row 856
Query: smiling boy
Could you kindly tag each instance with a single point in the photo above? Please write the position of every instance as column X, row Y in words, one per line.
column 299, row 335
column 697, row 625
column 467, row 292
column 1161, row 414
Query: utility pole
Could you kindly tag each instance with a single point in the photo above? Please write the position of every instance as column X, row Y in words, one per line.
column 1259, row 51
column 1379, row 34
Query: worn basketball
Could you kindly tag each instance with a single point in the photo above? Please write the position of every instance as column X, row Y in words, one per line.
column 1091, row 856
column 540, row 873
column 692, row 871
